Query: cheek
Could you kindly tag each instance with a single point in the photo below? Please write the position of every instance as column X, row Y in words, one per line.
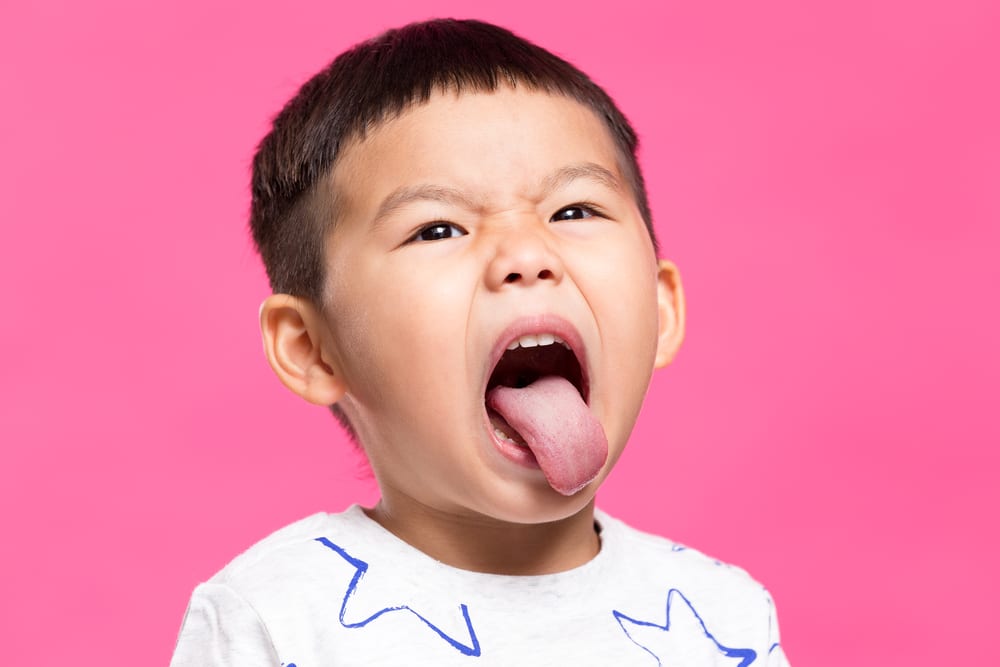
column 632, row 334
column 624, row 284
column 400, row 337
column 623, row 295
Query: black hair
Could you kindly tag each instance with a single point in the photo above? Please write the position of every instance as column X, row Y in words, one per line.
column 292, row 202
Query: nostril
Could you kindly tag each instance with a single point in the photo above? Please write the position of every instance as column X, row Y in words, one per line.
column 512, row 277
column 544, row 274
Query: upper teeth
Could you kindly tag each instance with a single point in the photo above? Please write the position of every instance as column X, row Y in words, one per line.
column 537, row 340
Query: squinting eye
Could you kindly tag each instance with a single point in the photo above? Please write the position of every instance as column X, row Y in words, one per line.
column 438, row 231
column 576, row 212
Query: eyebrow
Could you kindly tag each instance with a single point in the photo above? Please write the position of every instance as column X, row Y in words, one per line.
column 585, row 170
column 406, row 195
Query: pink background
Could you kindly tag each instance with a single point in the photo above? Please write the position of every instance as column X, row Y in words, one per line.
column 826, row 175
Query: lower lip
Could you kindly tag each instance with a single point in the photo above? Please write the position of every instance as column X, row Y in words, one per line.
column 511, row 451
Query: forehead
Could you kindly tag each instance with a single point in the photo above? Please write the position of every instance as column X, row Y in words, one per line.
column 498, row 145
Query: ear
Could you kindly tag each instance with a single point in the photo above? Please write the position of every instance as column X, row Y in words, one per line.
column 670, row 302
column 297, row 346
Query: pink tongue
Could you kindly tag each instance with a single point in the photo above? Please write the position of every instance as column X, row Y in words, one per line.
column 563, row 434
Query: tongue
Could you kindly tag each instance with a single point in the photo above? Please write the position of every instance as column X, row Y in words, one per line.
column 563, row 434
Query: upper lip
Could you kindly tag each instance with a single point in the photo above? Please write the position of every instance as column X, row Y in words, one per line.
column 541, row 324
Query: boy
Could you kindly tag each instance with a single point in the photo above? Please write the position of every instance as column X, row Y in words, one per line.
column 456, row 231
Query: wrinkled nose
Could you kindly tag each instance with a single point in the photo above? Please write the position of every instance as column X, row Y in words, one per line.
column 523, row 258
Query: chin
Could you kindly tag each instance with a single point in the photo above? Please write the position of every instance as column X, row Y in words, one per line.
column 542, row 504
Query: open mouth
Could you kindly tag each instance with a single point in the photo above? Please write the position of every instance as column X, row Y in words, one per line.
column 537, row 403
column 526, row 360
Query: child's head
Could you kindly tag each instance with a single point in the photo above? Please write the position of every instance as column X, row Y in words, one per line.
column 434, row 197
column 292, row 208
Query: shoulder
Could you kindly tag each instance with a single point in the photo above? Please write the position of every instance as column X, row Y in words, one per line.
column 287, row 549
column 653, row 556
column 265, row 597
column 673, row 586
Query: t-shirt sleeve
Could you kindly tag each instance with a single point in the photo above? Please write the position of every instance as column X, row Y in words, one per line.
column 775, row 655
column 221, row 629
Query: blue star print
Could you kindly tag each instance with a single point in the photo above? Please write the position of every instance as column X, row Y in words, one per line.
column 361, row 567
column 671, row 643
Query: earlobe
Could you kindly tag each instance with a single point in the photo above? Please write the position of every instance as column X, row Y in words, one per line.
column 294, row 335
column 670, row 304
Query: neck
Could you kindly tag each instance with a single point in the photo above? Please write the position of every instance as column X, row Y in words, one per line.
column 483, row 544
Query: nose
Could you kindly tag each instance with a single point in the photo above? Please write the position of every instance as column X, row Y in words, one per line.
column 524, row 258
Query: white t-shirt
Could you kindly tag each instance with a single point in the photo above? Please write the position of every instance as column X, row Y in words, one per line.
column 337, row 590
